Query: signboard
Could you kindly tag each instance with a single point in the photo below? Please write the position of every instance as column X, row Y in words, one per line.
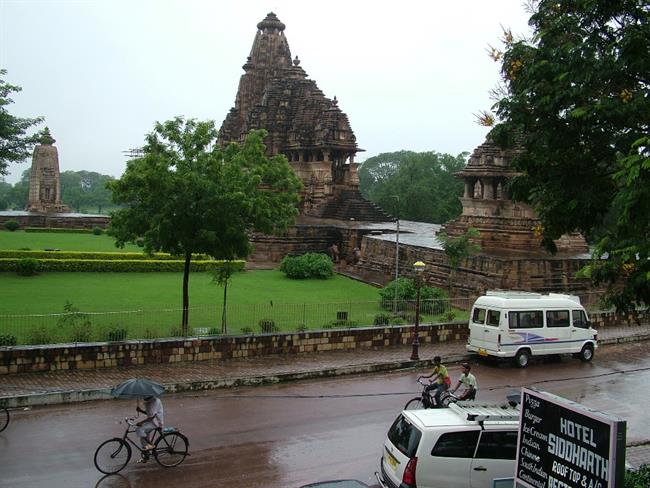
column 563, row 444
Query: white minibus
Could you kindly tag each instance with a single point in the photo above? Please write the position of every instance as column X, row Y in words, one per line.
column 508, row 324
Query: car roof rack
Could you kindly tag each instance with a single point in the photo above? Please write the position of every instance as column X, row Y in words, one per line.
column 486, row 413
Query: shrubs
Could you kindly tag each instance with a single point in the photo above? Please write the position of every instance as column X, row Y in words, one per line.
column 98, row 231
column 639, row 478
column 75, row 324
column 268, row 326
column 115, row 334
column 341, row 324
column 40, row 334
column 110, row 265
column 7, row 340
column 27, row 266
column 12, row 225
column 381, row 319
column 432, row 300
column 309, row 265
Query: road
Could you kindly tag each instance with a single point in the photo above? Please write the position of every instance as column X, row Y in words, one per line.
column 290, row 434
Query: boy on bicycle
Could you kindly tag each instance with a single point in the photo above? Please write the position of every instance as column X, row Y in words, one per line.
column 440, row 379
column 468, row 380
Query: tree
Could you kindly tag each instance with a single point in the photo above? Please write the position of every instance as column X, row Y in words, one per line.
column 15, row 144
column 457, row 249
column 185, row 195
column 83, row 189
column 222, row 277
column 414, row 186
column 576, row 98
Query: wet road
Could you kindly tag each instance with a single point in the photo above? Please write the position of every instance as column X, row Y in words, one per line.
column 285, row 435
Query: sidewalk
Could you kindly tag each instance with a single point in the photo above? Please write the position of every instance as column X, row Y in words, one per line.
column 30, row 389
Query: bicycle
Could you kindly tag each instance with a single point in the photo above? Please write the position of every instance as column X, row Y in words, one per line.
column 4, row 418
column 170, row 449
column 427, row 400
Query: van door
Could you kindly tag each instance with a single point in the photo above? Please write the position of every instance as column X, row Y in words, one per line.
column 449, row 461
column 581, row 330
column 484, row 330
column 558, row 337
column 494, row 458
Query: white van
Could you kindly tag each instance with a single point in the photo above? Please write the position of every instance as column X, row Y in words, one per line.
column 518, row 325
column 467, row 446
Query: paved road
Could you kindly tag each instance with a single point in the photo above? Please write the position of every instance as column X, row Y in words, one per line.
column 289, row 434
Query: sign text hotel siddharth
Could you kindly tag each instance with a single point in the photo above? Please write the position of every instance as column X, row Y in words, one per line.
column 565, row 445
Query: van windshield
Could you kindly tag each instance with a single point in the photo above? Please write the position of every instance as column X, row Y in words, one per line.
column 404, row 436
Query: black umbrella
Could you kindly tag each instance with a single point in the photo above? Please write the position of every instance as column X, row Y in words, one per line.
column 137, row 388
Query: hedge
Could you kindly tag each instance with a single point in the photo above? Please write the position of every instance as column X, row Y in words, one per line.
column 105, row 256
column 112, row 265
column 61, row 230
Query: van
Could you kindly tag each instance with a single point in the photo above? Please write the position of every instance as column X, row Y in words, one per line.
column 463, row 446
column 506, row 324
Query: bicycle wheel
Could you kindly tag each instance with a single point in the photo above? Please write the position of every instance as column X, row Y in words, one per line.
column 171, row 449
column 414, row 404
column 4, row 419
column 112, row 455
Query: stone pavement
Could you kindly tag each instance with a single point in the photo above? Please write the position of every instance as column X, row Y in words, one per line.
column 29, row 389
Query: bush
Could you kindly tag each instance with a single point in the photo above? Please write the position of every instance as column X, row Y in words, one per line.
column 86, row 255
column 268, row 326
column 39, row 335
column 432, row 299
column 98, row 231
column 381, row 319
column 112, row 265
column 139, row 242
column 176, row 332
column 309, row 265
column 301, row 328
column 8, row 340
column 246, row 330
column 56, row 230
column 341, row 324
column 639, row 478
column 115, row 334
column 28, row 266
column 12, row 225
column 76, row 324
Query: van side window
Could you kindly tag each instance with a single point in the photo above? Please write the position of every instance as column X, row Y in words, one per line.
column 528, row 319
column 580, row 319
column 457, row 444
column 557, row 318
column 493, row 317
column 478, row 317
column 497, row 445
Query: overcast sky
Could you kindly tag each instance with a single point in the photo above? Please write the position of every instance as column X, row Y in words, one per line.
column 410, row 75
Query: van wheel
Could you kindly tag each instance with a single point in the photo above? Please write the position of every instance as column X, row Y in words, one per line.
column 522, row 358
column 587, row 353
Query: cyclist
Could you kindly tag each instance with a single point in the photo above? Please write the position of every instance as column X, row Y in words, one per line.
column 440, row 380
column 468, row 380
column 153, row 409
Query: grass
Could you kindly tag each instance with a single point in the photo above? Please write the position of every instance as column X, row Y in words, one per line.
column 39, row 241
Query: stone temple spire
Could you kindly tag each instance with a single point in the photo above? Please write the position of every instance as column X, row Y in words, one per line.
column 44, row 178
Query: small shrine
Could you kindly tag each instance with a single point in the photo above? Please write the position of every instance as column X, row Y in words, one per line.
column 304, row 125
column 45, row 179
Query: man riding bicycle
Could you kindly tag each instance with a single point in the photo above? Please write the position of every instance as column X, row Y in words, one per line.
column 153, row 409
column 468, row 380
column 440, row 380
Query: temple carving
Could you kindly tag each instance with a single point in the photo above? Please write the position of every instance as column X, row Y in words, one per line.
column 308, row 128
column 45, row 179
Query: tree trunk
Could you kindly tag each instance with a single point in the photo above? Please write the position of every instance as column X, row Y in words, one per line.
column 224, row 326
column 186, row 295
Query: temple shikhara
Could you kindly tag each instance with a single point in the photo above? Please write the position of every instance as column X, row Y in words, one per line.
column 45, row 179
column 303, row 124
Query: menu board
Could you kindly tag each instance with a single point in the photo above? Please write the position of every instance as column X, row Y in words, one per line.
column 563, row 444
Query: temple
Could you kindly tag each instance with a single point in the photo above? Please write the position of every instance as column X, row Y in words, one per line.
column 44, row 178
column 304, row 125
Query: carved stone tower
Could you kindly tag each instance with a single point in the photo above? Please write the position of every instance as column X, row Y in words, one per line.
column 505, row 226
column 305, row 126
column 44, row 179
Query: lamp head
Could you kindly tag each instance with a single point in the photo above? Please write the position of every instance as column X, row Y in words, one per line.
column 418, row 267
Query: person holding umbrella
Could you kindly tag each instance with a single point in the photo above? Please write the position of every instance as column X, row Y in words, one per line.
column 153, row 409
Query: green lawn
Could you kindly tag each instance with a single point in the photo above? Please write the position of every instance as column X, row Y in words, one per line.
column 39, row 241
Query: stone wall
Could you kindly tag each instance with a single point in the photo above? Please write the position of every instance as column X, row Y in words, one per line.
column 25, row 359
column 60, row 221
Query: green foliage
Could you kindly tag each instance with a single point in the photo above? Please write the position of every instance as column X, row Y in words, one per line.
column 639, row 478
column 186, row 195
column 246, row 330
column 32, row 265
column 575, row 98
column 222, row 276
column 414, row 186
column 309, row 265
column 85, row 189
column 115, row 334
column 7, row 340
column 457, row 249
column 407, row 292
column 26, row 266
column 98, row 231
column 341, row 324
column 121, row 256
column 268, row 326
column 58, row 230
column 381, row 319
column 301, row 328
column 40, row 334
column 15, row 144
column 12, row 225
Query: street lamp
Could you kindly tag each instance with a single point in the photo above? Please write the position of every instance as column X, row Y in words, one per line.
column 418, row 268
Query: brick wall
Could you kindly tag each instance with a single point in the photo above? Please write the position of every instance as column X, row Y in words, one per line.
column 24, row 359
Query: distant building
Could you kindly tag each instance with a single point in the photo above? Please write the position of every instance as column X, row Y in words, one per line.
column 45, row 179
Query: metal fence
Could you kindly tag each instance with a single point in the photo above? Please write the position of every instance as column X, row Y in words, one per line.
column 207, row 320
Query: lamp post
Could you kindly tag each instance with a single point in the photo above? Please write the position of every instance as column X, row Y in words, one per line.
column 418, row 268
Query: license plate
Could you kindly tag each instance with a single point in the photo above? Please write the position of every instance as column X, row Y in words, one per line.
column 482, row 352
column 391, row 460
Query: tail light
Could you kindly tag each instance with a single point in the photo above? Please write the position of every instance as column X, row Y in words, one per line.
column 499, row 342
column 409, row 473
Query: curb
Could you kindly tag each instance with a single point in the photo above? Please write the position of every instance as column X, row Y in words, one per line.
column 73, row 396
